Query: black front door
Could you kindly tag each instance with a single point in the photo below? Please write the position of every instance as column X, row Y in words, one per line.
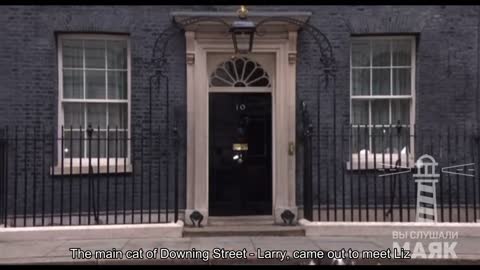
column 240, row 157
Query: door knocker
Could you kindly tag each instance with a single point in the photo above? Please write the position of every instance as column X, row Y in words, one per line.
column 239, row 148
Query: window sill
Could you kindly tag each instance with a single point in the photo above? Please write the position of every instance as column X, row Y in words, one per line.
column 83, row 170
column 380, row 162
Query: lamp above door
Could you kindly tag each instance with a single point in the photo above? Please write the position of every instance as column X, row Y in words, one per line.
column 243, row 32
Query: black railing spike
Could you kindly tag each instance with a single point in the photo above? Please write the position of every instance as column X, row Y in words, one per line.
column 399, row 127
column 307, row 174
column 89, row 131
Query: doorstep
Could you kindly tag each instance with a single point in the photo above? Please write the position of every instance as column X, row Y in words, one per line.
column 242, row 226
column 243, row 230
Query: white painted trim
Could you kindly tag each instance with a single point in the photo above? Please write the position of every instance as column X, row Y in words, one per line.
column 60, row 93
column 382, row 97
column 389, row 37
column 77, row 100
column 380, row 67
column 240, row 90
column 283, row 118
column 95, row 69
column 83, row 36
column 413, row 103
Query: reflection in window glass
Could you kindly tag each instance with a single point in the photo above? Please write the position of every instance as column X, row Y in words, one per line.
column 94, row 53
column 361, row 53
column 380, row 53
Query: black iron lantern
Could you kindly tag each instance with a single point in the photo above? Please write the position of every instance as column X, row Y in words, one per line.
column 243, row 32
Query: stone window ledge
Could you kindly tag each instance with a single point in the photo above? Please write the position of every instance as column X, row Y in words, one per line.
column 380, row 161
column 102, row 168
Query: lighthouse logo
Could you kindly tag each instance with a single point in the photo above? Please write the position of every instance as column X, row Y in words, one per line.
column 426, row 179
column 426, row 244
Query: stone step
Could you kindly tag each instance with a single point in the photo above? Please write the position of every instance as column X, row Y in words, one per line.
column 243, row 230
column 240, row 220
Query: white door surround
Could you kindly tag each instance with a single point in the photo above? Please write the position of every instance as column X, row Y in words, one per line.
column 207, row 39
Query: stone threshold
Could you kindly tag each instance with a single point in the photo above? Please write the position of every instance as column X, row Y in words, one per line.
column 243, row 230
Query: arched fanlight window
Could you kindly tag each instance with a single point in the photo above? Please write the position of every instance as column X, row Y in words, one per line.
column 239, row 72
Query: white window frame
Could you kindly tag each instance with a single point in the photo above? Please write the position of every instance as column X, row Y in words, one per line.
column 358, row 161
column 111, row 162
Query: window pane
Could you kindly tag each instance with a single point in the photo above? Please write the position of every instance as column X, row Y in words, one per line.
column 117, row 116
column 381, row 81
column 380, row 141
column 72, row 53
column 400, row 140
column 73, row 115
column 71, row 144
column 386, row 139
column 117, row 85
column 97, row 115
column 95, row 81
column 98, row 145
column 361, row 53
column 401, row 81
column 401, row 112
column 360, row 82
column 390, row 143
column 117, row 54
column 380, row 111
column 360, row 141
column 218, row 82
column 360, row 112
column 94, row 54
column 72, row 84
column 380, row 53
column 117, row 142
column 401, row 50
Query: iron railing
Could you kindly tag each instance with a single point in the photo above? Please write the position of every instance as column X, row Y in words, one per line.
column 364, row 173
column 357, row 173
column 83, row 177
